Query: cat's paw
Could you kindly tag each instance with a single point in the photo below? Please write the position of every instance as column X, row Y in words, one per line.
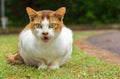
column 42, row 66
column 53, row 67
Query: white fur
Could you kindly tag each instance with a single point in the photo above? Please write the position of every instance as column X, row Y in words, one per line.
column 45, row 22
column 50, row 54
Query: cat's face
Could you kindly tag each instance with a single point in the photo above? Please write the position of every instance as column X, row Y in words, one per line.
column 46, row 25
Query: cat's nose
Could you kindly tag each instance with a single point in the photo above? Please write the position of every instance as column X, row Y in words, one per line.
column 44, row 33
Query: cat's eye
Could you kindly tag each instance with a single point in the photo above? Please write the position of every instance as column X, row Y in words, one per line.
column 38, row 25
column 52, row 25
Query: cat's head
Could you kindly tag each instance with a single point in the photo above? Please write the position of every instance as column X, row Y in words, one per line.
column 46, row 24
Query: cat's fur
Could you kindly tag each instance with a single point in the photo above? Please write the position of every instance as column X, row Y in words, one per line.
column 45, row 41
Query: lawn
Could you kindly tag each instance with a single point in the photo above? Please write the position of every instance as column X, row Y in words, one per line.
column 80, row 66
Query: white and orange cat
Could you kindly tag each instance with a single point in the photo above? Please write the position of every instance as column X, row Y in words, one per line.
column 45, row 41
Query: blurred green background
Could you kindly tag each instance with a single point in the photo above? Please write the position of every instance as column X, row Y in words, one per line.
column 78, row 11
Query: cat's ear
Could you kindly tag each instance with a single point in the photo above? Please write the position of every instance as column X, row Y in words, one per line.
column 31, row 13
column 60, row 13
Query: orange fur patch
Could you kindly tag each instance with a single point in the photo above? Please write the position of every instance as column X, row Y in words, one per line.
column 15, row 59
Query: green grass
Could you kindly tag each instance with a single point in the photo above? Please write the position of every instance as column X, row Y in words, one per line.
column 80, row 66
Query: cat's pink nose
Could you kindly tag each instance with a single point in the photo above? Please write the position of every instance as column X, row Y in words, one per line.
column 44, row 33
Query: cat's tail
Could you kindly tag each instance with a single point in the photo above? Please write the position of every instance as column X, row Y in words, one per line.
column 15, row 59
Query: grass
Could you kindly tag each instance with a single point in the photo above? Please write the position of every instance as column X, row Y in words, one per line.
column 80, row 66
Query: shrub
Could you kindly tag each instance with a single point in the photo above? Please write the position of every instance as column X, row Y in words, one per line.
column 78, row 11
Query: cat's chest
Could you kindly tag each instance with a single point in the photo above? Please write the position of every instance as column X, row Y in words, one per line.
column 49, row 51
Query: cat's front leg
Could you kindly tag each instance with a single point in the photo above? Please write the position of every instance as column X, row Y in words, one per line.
column 41, row 65
column 54, row 65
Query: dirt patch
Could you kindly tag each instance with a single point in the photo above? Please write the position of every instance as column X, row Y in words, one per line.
column 99, row 52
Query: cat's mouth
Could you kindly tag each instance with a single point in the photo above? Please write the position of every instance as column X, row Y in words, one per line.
column 45, row 39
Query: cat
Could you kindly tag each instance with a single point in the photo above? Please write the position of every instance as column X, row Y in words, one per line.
column 45, row 42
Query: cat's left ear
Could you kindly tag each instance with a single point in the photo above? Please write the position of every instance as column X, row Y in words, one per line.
column 31, row 13
column 60, row 13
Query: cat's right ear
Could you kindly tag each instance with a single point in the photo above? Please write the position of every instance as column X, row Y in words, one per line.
column 31, row 13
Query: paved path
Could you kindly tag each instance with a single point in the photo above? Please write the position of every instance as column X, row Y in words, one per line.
column 105, row 46
column 109, row 41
